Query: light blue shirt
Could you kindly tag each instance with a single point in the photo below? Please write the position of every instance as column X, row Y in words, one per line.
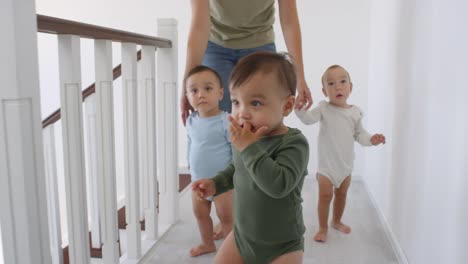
column 209, row 149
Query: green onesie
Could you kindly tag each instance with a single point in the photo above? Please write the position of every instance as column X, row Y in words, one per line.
column 267, row 178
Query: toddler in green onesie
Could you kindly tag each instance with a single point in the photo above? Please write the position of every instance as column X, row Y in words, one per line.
column 268, row 166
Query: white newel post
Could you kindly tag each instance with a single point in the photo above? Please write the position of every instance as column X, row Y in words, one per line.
column 91, row 171
column 106, row 151
column 73, row 148
column 53, row 208
column 148, row 88
column 167, row 120
column 23, row 205
column 132, row 206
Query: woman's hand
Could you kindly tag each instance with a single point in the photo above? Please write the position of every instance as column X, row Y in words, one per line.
column 185, row 108
column 304, row 97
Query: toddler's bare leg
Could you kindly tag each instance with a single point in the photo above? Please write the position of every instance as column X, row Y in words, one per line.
column 325, row 197
column 217, row 231
column 339, row 206
column 228, row 253
column 201, row 209
column 294, row 257
column 223, row 204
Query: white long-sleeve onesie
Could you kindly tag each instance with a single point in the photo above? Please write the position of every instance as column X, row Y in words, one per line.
column 339, row 128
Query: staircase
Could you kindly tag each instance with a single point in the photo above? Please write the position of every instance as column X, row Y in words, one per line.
column 30, row 213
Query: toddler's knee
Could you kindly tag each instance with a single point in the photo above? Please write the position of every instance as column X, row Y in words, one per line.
column 341, row 193
column 326, row 196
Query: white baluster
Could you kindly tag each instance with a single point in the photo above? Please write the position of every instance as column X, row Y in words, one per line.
column 132, row 207
column 53, row 208
column 167, row 89
column 91, row 171
column 143, row 137
column 164, row 204
column 161, row 138
column 23, row 205
column 73, row 145
column 106, row 151
column 149, row 88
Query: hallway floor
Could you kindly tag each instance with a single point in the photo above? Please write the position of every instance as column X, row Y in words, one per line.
column 367, row 243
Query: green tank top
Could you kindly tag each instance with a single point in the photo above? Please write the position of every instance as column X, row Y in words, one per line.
column 240, row 24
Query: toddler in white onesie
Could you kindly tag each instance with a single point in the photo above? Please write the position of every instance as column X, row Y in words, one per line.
column 340, row 126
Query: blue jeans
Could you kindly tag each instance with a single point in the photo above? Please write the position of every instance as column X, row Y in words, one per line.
column 223, row 60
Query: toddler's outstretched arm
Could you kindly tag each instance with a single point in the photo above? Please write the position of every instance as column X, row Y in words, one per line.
column 309, row 117
column 224, row 180
column 361, row 135
column 366, row 139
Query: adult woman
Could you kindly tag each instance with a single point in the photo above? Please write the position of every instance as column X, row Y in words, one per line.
column 223, row 31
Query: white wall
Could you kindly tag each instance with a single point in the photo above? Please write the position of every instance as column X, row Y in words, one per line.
column 418, row 61
column 1, row 249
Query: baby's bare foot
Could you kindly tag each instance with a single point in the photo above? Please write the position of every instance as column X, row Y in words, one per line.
column 217, row 232
column 202, row 249
column 217, row 235
column 321, row 235
column 341, row 227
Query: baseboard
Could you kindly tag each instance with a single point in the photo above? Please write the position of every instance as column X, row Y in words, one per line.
column 356, row 178
column 183, row 169
column 149, row 250
column 152, row 250
column 120, row 202
column 400, row 254
column 186, row 189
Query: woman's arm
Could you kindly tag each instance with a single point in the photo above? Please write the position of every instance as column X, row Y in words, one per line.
column 292, row 36
column 196, row 45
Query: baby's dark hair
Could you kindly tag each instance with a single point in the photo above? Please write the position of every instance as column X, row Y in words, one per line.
column 202, row 68
column 265, row 62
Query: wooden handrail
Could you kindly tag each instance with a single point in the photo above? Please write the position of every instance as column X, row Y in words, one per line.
column 53, row 25
column 55, row 116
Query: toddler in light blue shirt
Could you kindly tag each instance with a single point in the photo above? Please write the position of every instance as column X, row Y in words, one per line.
column 209, row 151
